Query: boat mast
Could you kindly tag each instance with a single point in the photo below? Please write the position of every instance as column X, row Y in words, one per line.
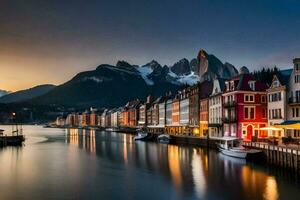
column 14, row 116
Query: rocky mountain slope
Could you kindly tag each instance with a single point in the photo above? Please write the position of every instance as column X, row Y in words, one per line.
column 111, row 85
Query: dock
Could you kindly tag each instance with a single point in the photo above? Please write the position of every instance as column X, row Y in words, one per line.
column 281, row 156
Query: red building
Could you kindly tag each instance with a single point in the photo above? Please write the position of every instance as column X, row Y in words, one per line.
column 245, row 107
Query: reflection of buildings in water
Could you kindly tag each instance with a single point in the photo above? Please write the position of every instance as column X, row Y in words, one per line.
column 125, row 152
column 82, row 138
column 255, row 183
column 271, row 190
column 230, row 165
column 174, row 164
column 198, row 168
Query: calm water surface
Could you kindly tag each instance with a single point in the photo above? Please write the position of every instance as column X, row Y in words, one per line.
column 79, row 164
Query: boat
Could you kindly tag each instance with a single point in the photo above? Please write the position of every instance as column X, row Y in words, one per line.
column 16, row 139
column 109, row 129
column 141, row 135
column 164, row 138
column 232, row 147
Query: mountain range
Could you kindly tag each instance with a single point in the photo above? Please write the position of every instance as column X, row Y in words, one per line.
column 3, row 93
column 28, row 94
column 114, row 85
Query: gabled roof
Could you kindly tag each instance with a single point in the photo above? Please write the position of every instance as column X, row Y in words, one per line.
column 242, row 83
column 284, row 76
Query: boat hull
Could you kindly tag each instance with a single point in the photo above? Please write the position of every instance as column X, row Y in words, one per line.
column 141, row 136
column 164, row 139
column 234, row 154
column 12, row 140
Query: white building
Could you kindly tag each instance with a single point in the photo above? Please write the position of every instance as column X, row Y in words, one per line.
column 277, row 101
column 294, row 98
column 184, row 112
column 169, row 112
column 162, row 114
column 215, row 123
column 115, row 118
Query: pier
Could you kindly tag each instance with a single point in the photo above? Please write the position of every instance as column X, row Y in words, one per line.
column 282, row 156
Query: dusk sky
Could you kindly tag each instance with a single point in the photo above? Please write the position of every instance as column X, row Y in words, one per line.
column 51, row 41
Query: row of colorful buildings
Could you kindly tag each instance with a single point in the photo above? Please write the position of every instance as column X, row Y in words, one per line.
column 240, row 107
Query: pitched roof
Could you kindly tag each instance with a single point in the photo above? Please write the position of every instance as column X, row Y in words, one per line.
column 222, row 83
column 284, row 76
column 242, row 83
column 205, row 89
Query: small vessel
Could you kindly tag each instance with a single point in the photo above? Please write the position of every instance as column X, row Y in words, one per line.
column 232, row 147
column 164, row 138
column 16, row 139
column 141, row 135
column 109, row 129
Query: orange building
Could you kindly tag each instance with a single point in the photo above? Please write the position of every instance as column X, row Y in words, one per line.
column 130, row 114
column 125, row 117
column 175, row 112
column 93, row 119
column 205, row 90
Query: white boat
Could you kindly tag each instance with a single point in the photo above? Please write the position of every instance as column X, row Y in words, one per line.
column 232, row 147
column 164, row 138
column 141, row 136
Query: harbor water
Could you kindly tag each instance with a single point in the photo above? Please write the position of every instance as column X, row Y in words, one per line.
column 87, row 164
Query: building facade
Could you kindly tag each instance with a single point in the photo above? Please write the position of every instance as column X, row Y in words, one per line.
column 215, row 122
column 277, row 101
column 245, row 108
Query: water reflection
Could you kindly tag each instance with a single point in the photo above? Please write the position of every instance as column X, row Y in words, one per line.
column 82, row 138
column 193, row 173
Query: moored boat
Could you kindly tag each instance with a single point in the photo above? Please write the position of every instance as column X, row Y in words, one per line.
column 141, row 135
column 232, row 147
column 164, row 138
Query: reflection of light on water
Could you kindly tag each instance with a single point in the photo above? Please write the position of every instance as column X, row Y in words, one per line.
column 92, row 141
column 198, row 174
column 174, row 164
column 125, row 149
column 87, row 137
column 271, row 190
column 257, row 182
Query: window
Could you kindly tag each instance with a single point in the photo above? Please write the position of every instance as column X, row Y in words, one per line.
column 275, row 97
column 249, row 98
column 263, row 98
column 232, row 85
column 275, row 84
column 249, row 112
column 264, row 113
column 227, row 86
column 297, row 67
column 252, row 85
column 295, row 112
column 297, row 78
